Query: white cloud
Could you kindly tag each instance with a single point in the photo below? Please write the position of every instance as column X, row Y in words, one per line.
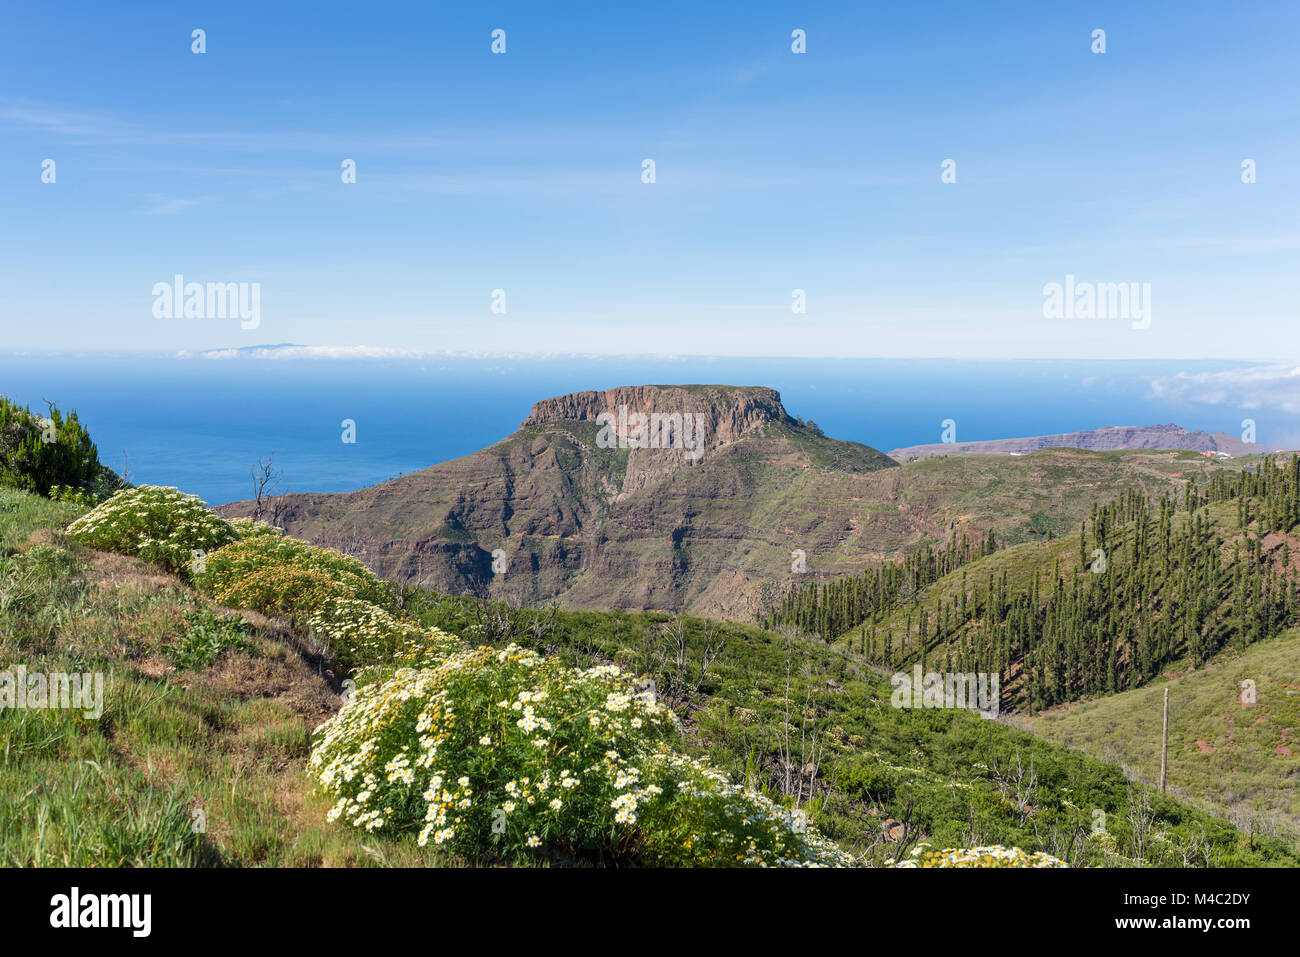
column 312, row 352
column 1251, row 387
column 296, row 352
column 170, row 207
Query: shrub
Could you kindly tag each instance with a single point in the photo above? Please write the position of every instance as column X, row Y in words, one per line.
column 160, row 525
column 361, row 633
column 923, row 855
column 263, row 571
column 47, row 561
column 494, row 753
column 491, row 752
column 703, row 820
column 38, row 452
column 73, row 496
column 279, row 589
column 251, row 528
column 501, row 753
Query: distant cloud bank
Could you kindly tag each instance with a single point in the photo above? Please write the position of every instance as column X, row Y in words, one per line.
column 296, row 352
column 287, row 351
column 1250, row 387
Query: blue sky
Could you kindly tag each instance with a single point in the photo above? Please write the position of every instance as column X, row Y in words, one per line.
column 775, row 172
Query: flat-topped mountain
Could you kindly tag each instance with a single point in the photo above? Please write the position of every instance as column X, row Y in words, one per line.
column 665, row 427
column 649, row 496
column 1108, row 439
column 700, row 498
column 729, row 410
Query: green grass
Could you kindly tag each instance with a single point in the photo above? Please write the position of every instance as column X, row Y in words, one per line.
column 201, row 764
column 1238, row 761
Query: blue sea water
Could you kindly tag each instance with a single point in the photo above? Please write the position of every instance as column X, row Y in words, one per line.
column 201, row 424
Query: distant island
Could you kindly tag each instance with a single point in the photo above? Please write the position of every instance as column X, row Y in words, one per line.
column 1108, row 439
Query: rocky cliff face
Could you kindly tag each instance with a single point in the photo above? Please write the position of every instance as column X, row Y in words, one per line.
column 663, row 428
column 728, row 411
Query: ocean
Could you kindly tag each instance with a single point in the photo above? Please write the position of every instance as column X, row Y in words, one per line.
column 202, row 424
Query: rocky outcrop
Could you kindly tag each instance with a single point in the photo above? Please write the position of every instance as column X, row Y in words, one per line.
column 729, row 411
column 663, row 428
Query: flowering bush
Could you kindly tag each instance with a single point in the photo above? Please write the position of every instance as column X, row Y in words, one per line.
column 271, row 574
column 252, row 528
column 991, row 856
column 490, row 752
column 704, row 820
column 276, row 589
column 158, row 524
column 502, row 752
column 361, row 633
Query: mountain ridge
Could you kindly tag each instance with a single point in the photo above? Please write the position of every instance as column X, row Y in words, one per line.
column 559, row 511
column 1108, row 438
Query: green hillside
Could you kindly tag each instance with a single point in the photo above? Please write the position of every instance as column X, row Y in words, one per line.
column 1236, row 757
column 211, row 711
column 1144, row 585
column 803, row 721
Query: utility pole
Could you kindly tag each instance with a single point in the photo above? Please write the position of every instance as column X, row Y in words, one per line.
column 1164, row 745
